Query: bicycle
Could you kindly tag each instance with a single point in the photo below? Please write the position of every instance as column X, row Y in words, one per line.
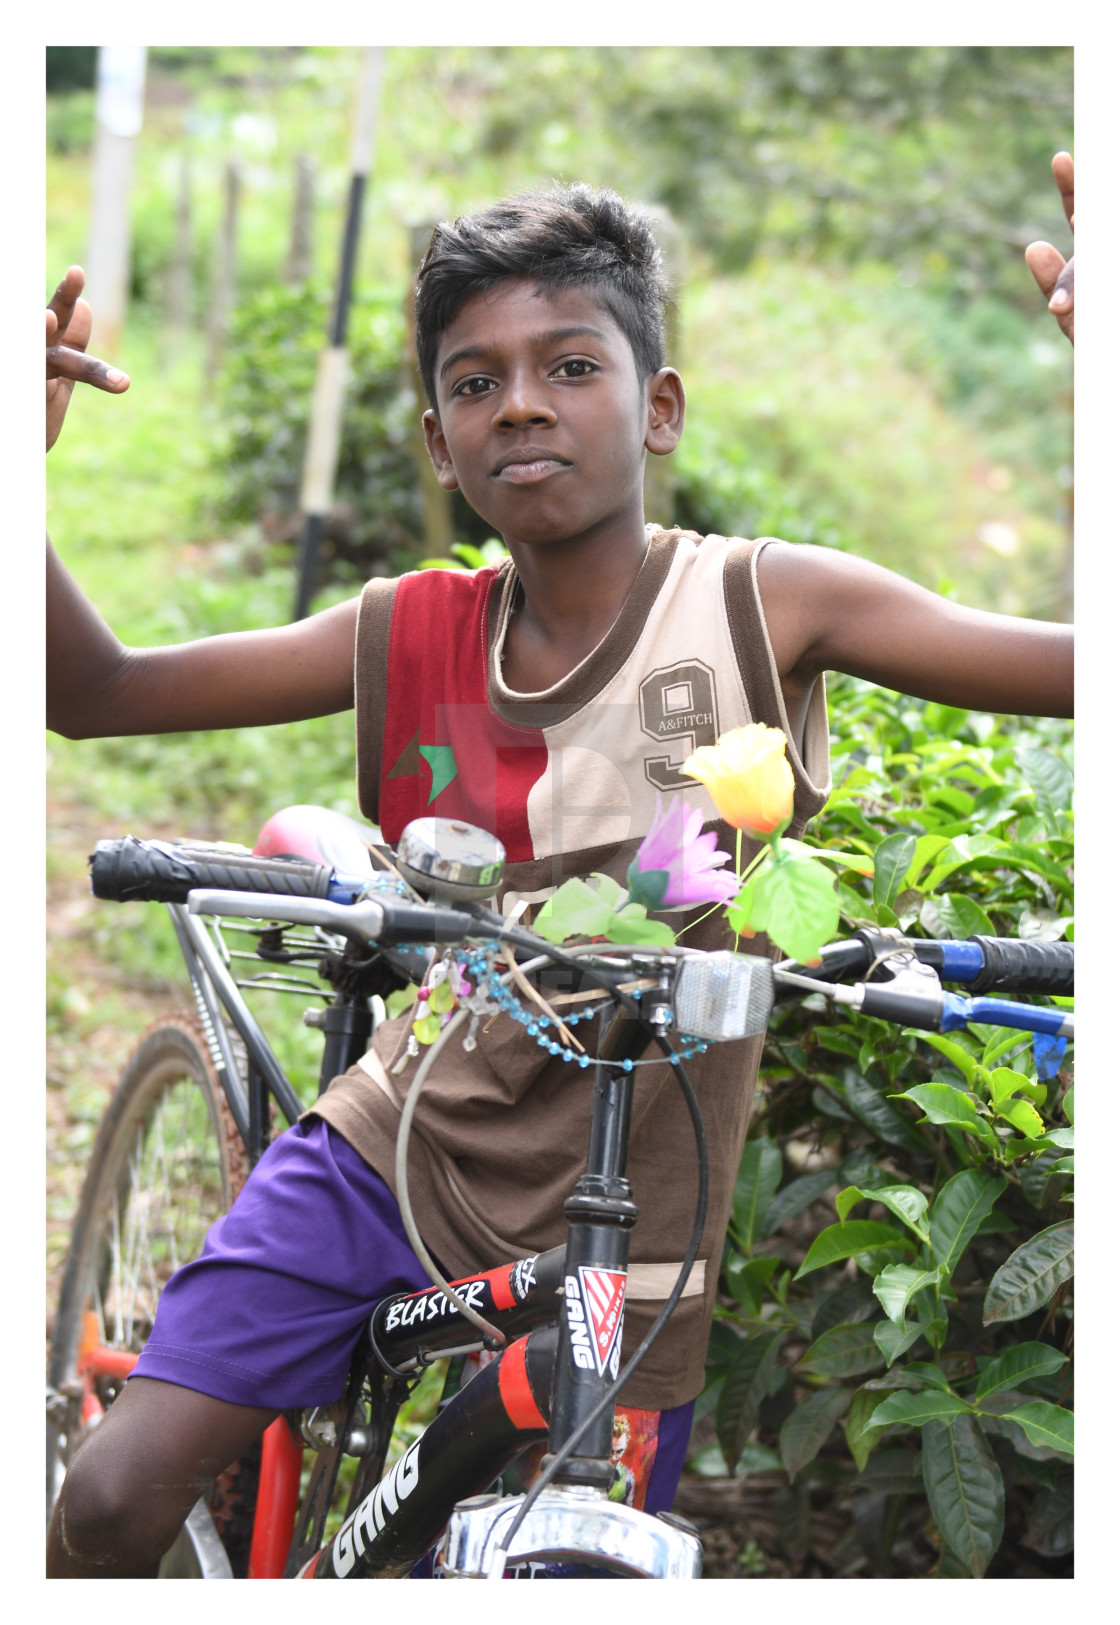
column 548, row 1377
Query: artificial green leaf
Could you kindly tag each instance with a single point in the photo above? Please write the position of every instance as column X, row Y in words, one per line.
column 915, row 1410
column 743, row 1389
column 573, row 911
column 895, row 1340
column 741, row 909
column 961, row 1204
column 1045, row 1424
column 795, row 903
column 893, row 858
column 1016, row 1364
column 1031, row 1276
column 796, row 1197
column 843, row 1351
column 860, row 1438
column 839, row 1241
column 609, row 891
column 964, row 1487
column 760, row 1174
column 1021, row 1115
column 808, row 1425
column 896, row 1285
column 629, row 926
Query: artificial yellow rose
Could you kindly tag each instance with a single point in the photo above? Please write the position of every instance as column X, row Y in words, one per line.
column 748, row 777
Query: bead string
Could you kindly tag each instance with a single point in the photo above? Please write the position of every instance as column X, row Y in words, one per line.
column 480, row 967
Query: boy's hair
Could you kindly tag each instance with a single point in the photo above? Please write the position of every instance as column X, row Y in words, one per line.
column 574, row 235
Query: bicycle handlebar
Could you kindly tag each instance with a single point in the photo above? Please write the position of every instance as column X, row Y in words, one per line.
column 984, row 964
column 715, row 996
column 131, row 870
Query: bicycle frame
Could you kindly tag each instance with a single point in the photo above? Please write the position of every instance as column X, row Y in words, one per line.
column 543, row 1383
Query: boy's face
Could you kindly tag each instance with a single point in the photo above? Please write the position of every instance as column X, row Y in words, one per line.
column 543, row 420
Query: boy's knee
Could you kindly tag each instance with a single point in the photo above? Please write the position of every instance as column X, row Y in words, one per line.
column 110, row 1519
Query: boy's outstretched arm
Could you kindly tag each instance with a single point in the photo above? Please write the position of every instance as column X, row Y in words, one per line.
column 828, row 611
column 96, row 686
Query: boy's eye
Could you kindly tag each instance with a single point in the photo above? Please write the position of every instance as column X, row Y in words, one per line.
column 473, row 386
column 576, row 368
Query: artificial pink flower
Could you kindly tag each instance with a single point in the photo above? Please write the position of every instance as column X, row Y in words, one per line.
column 676, row 848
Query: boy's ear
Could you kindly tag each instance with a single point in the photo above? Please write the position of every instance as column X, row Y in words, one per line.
column 438, row 452
column 665, row 393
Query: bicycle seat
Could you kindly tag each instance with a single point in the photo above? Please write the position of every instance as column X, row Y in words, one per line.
column 321, row 835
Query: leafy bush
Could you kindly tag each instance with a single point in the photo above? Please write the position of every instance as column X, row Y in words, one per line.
column 896, row 1304
column 266, row 397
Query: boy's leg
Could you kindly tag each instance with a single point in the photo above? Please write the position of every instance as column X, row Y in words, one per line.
column 137, row 1475
column 264, row 1321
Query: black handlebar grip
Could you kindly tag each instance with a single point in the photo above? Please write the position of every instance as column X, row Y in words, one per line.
column 1014, row 966
column 130, row 870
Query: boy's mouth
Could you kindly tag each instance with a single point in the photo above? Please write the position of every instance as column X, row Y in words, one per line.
column 527, row 466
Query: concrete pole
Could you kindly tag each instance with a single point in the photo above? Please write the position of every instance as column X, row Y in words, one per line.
column 320, row 465
column 119, row 113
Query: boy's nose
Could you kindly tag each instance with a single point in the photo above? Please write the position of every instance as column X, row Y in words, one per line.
column 523, row 406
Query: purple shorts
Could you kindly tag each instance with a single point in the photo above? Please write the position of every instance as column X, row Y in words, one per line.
column 269, row 1313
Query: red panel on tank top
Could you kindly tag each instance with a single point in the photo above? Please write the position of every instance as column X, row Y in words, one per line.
column 439, row 727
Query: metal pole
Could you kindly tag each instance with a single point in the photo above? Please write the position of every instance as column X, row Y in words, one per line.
column 320, row 466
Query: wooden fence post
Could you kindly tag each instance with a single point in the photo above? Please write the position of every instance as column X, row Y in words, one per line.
column 438, row 525
column 225, row 270
column 298, row 267
column 659, row 484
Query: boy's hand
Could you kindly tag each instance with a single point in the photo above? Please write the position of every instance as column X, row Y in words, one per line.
column 1052, row 273
column 69, row 321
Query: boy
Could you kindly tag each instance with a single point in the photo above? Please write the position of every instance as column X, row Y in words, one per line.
column 558, row 697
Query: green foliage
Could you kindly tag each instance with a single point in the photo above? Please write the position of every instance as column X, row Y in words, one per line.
column 266, row 399
column 930, row 1320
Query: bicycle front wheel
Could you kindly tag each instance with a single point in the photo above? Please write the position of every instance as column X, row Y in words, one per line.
column 166, row 1163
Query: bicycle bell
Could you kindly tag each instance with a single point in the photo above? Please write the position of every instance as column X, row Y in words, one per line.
column 450, row 861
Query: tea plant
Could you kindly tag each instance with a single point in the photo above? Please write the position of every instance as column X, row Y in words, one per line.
column 895, row 1317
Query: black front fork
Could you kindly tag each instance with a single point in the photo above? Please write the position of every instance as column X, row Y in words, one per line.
column 601, row 1214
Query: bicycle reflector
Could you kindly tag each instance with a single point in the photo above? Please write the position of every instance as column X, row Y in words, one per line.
column 724, row 995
